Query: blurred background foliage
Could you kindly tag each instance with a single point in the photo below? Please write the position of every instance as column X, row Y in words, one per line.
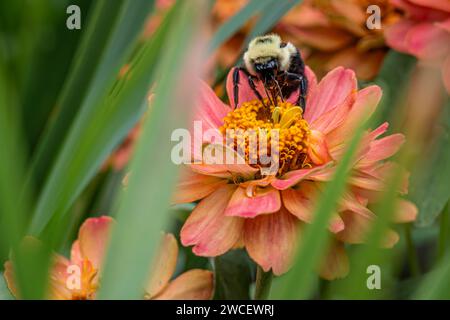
column 74, row 102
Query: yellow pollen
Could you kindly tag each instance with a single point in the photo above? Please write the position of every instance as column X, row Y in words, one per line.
column 286, row 118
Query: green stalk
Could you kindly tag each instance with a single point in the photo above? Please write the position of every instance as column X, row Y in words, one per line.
column 412, row 254
column 263, row 284
column 443, row 233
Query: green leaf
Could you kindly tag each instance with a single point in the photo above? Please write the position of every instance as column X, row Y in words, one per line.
column 435, row 284
column 233, row 276
column 84, row 74
column 429, row 181
column 229, row 28
column 143, row 208
column 299, row 282
column 393, row 78
column 52, row 54
column 107, row 114
column 274, row 11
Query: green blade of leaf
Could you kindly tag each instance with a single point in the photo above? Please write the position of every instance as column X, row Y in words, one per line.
column 15, row 202
column 236, row 22
column 233, row 276
column 429, row 184
column 116, row 24
column 104, row 120
column 299, row 281
column 393, row 78
column 143, row 208
column 270, row 15
column 435, row 284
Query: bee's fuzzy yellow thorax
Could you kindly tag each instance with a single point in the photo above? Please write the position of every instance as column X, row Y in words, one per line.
column 263, row 48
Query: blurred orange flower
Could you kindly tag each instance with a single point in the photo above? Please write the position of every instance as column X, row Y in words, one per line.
column 86, row 261
column 334, row 33
column 240, row 206
column 330, row 33
column 424, row 32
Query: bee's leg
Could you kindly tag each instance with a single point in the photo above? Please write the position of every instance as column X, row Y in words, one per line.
column 251, row 83
column 303, row 91
column 236, row 77
column 302, row 85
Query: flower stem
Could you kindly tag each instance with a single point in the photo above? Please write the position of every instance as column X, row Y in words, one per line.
column 412, row 254
column 263, row 283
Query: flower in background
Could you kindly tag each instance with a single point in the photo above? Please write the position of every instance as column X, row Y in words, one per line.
column 87, row 255
column 334, row 33
column 424, row 32
column 229, row 51
column 239, row 207
column 119, row 159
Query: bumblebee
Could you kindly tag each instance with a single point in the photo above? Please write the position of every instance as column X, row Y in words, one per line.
column 278, row 65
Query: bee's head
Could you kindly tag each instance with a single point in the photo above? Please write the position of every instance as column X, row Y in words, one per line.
column 266, row 55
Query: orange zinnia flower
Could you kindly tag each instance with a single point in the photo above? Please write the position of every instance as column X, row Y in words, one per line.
column 86, row 261
column 424, row 32
column 241, row 207
column 334, row 33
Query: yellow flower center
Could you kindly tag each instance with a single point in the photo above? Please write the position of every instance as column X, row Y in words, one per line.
column 253, row 120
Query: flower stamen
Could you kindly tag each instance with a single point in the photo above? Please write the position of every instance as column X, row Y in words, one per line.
column 285, row 118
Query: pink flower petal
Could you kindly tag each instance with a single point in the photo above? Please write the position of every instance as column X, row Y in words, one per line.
column 250, row 203
column 446, row 74
column 333, row 118
column 444, row 25
column 419, row 13
column 293, row 177
column 318, row 148
column 75, row 253
column 336, row 262
column 194, row 284
column 405, row 212
column 208, row 229
column 209, row 112
column 396, row 35
column 193, row 186
column 94, row 236
column 365, row 104
column 331, row 92
column 427, row 41
column 351, row 203
column 436, row 4
column 301, row 202
column 164, row 266
column 225, row 163
column 298, row 203
column 357, row 228
column 381, row 173
column 209, row 108
column 271, row 240
column 382, row 149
